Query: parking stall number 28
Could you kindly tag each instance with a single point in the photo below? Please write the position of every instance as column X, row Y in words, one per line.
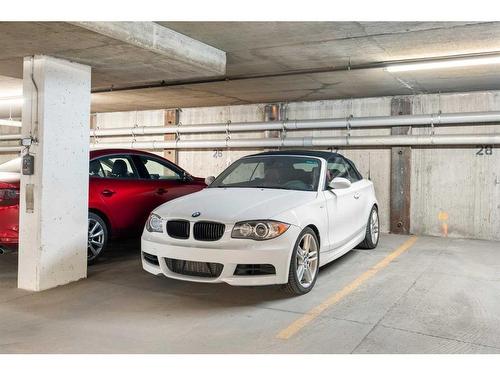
column 485, row 150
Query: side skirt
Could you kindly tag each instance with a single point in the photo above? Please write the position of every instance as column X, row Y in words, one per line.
column 327, row 257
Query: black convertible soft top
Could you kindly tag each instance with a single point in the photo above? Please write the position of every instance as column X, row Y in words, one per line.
column 319, row 154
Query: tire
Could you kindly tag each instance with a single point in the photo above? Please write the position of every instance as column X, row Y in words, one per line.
column 97, row 237
column 307, row 244
column 372, row 231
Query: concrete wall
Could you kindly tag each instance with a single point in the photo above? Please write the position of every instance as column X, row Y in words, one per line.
column 129, row 119
column 8, row 130
column 451, row 188
column 455, row 190
column 374, row 163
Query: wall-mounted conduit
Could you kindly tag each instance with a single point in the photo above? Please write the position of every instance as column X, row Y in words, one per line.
column 353, row 141
column 449, row 119
column 318, row 124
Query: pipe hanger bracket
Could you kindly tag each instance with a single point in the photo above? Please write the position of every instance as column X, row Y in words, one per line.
column 228, row 133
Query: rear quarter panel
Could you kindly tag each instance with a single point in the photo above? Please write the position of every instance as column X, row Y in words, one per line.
column 367, row 193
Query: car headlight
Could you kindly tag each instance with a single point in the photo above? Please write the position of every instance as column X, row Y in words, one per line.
column 154, row 224
column 259, row 229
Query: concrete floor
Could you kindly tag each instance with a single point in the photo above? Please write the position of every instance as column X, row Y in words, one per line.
column 441, row 296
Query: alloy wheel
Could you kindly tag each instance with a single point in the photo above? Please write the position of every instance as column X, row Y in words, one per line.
column 96, row 238
column 374, row 226
column 307, row 260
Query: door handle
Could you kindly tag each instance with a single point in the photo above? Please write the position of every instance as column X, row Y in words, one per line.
column 161, row 191
column 108, row 193
column 356, row 196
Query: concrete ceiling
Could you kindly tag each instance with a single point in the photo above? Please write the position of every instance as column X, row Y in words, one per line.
column 272, row 47
column 267, row 61
column 114, row 62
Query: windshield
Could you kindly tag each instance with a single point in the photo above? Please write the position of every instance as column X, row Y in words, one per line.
column 272, row 172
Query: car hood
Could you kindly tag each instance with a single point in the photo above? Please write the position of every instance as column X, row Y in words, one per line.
column 230, row 205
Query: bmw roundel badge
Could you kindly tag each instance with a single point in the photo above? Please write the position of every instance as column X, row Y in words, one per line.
column 196, row 214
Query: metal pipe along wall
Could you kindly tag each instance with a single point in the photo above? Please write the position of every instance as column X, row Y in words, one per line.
column 290, row 125
column 338, row 123
column 377, row 141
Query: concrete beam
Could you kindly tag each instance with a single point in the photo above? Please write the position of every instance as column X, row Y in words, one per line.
column 53, row 205
column 163, row 41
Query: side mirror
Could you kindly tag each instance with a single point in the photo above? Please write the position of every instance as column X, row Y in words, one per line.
column 185, row 177
column 209, row 180
column 339, row 183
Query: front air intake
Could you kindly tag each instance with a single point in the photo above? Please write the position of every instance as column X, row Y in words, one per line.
column 151, row 259
column 198, row 269
column 254, row 270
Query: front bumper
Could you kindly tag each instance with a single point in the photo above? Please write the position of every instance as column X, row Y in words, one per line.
column 9, row 226
column 227, row 251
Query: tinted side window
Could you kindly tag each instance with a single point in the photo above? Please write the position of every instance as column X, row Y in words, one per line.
column 338, row 167
column 156, row 170
column 117, row 167
column 354, row 171
column 95, row 169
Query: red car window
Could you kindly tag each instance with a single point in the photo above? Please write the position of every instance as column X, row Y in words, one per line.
column 156, row 170
column 116, row 166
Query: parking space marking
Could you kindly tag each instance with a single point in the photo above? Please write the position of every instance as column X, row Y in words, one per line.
column 312, row 314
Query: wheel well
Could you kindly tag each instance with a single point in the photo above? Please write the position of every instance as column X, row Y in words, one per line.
column 316, row 231
column 103, row 217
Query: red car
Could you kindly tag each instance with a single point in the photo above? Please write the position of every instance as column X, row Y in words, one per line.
column 124, row 187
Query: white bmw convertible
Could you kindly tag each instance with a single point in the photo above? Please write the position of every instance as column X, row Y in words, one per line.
column 270, row 218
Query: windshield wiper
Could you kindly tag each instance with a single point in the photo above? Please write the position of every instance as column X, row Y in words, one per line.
column 259, row 187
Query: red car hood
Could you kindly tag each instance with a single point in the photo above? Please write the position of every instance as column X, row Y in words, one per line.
column 8, row 185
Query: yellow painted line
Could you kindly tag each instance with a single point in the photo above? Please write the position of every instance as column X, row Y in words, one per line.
column 312, row 314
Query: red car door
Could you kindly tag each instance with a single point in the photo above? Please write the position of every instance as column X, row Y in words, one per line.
column 115, row 186
column 164, row 180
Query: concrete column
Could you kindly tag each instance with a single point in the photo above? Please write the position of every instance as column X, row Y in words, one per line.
column 54, row 200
